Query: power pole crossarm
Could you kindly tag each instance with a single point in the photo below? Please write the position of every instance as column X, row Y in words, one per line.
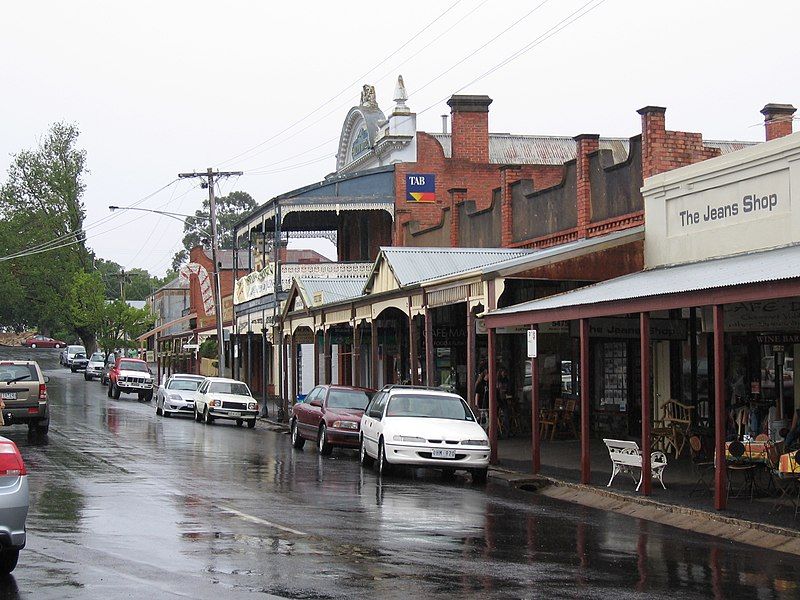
column 210, row 175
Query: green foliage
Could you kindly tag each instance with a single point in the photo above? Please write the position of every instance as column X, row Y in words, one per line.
column 86, row 305
column 230, row 210
column 208, row 349
column 122, row 324
column 39, row 201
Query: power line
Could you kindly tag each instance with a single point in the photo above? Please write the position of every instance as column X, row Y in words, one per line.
column 345, row 89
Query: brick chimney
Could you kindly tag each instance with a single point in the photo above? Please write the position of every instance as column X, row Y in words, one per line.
column 470, row 127
column 586, row 143
column 778, row 120
column 654, row 138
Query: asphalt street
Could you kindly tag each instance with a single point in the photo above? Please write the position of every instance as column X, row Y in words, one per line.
column 126, row 504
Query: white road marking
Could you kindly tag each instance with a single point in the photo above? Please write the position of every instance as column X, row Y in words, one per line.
column 260, row 521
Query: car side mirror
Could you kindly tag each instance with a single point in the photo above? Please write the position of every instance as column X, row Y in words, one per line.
column 317, row 403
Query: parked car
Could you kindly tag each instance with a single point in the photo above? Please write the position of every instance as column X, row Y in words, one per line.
column 423, row 427
column 221, row 398
column 78, row 362
column 130, row 376
column 178, row 394
column 13, row 504
column 330, row 415
column 94, row 368
column 42, row 341
column 70, row 352
column 111, row 360
column 23, row 389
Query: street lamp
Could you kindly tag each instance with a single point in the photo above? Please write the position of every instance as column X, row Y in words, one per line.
column 217, row 283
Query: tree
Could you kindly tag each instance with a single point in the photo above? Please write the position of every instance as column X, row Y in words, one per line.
column 86, row 304
column 230, row 210
column 40, row 202
column 122, row 324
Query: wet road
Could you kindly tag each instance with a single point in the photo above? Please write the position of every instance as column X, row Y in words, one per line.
column 126, row 504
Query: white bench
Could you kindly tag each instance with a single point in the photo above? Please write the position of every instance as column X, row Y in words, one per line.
column 627, row 458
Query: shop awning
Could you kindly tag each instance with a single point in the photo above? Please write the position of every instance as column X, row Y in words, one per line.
column 746, row 277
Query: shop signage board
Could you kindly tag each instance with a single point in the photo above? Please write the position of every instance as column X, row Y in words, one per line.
column 761, row 316
column 532, row 346
column 660, row 329
column 743, row 202
column 555, row 327
column 420, row 187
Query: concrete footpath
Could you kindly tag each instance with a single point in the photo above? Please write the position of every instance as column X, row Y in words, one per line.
column 763, row 535
column 692, row 519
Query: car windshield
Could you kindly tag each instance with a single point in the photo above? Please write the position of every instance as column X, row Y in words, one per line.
column 227, row 387
column 132, row 365
column 76, row 349
column 434, row 407
column 183, row 384
column 18, row 373
column 97, row 357
column 354, row 399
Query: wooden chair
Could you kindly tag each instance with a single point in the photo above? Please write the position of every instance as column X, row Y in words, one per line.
column 567, row 418
column 549, row 419
column 701, row 464
column 675, row 424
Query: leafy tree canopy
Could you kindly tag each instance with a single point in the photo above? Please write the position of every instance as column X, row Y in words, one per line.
column 122, row 324
column 230, row 210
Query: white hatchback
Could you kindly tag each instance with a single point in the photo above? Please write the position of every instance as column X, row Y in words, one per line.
column 423, row 427
column 221, row 398
column 178, row 394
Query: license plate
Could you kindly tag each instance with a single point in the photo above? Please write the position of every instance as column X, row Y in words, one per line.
column 234, row 413
column 442, row 453
column 8, row 395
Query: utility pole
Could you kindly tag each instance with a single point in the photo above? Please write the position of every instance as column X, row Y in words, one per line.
column 210, row 176
column 123, row 279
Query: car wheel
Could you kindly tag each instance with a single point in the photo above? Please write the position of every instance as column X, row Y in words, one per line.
column 479, row 476
column 364, row 458
column 8, row 560
column 109, row 390
column 33, row 345
column 323, row 446
column 73, row 369
column 167, row 413
column 297, row 439
column 239, row 422
column 57, row 346
column 42, row 427
column 197, row 416
column 159, row 412
column 148, row 397
column 207, row 418
column 251, row 423
column 115, row 392
column 383, row 465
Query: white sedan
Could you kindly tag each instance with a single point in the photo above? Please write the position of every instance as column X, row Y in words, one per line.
column 178, row 394
column 422, row 427
column 221, row 398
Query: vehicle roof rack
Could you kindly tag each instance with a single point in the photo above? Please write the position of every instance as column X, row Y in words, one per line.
column 408, row 386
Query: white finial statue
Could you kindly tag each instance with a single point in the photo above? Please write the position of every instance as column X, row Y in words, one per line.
column 400, row 96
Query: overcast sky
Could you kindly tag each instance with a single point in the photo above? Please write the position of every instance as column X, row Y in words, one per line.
column 163, row 87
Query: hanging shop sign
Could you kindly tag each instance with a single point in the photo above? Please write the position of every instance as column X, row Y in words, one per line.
column 760, row 316
column 420, row 187
column 532, row 345
column 778, row 338
column 660, row 329
column 303, row 336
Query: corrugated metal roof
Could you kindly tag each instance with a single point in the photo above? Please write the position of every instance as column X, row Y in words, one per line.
column 333, row 289
column 508, row 148
column 756, row 267
column 414, row 265
column 728, row 147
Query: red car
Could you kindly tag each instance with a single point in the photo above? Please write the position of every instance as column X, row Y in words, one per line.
column 42, row 341
column 330, row 415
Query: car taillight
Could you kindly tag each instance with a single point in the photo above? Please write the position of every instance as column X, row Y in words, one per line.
column 11, row 463
column 42, row 391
